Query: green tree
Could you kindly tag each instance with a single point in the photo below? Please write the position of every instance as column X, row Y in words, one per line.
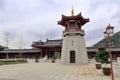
column 102, row 56
column 36, row 56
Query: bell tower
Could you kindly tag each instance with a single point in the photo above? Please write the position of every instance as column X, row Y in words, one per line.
column 73, row 45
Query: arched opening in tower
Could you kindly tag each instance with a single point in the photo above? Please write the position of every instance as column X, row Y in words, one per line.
column 72, row 56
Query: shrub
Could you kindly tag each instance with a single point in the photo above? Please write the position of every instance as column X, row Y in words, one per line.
column 102, row 56
column 2, row 62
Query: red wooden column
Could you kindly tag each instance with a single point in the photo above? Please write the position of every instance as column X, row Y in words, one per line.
column 76, row 26
column 46, row 53
column 68, row 26
column 41, row 53
column 58, row 53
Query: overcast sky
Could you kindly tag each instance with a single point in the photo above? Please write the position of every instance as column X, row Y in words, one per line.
column 37, row 19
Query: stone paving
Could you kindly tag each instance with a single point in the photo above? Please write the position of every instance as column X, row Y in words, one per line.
column 51, row 71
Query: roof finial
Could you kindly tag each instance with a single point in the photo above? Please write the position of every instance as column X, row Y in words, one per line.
column 72, row 12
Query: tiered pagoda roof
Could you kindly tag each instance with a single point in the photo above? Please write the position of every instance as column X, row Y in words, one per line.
column 77, row 17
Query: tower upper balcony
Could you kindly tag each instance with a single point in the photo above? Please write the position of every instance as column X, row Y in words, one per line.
column 73, row 33
column 73, row 24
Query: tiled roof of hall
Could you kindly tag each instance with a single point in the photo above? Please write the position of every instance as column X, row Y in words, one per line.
column 94, row 49
column 20, row 50
column 57, row 42
column 40, row 42
column 2, row 46
column 76, row 17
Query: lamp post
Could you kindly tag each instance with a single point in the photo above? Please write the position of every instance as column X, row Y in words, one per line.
column 109, row 30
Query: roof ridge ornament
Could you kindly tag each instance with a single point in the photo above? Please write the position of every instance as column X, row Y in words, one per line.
column 72, row 12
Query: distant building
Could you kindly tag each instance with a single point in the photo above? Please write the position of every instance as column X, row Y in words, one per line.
column 18, row 53
column 2, row 47
column 54, row 47
column 49, row 48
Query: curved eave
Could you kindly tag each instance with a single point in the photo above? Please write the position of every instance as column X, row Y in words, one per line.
column 77, row 17
column 47, row 46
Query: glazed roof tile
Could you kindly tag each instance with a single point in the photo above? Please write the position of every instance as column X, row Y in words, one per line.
column 2, row 46
column 77, row 17
column 50, row 43
column 20, row 50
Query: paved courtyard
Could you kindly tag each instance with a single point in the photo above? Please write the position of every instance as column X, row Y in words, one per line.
column 51, row 71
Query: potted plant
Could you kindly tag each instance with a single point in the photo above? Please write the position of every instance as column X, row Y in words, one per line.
column 103, row 56
column 53, row 58
column 37, row 58
column 97, row 59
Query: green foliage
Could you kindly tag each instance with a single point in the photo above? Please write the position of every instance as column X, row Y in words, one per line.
column 52, row 55
column 97, row 57
column 2, row 62
column 102, row 56
column 36, row 56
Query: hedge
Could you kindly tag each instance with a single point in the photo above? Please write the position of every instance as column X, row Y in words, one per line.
column 17, row 61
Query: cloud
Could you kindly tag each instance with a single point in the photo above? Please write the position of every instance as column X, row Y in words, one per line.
column 2, row 5
column 37, row 19
column 93, row 36
column 101, row 13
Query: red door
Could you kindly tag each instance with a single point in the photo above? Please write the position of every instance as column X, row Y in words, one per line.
column 72, row 56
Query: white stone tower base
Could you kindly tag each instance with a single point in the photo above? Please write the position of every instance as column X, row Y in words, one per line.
column 74, row 45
